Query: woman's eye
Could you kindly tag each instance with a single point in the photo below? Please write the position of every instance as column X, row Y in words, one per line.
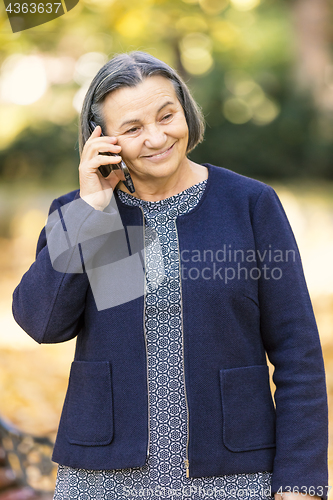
column 167, row 117
column 132, row 130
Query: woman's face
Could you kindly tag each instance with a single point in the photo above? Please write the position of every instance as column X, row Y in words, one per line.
column 150, row 125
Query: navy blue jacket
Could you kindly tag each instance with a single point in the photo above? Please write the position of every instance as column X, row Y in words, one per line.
column 243, row 295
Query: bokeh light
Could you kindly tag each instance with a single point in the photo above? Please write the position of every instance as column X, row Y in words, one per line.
column 191, row 2
column 237, row 111
column 23, row 79
column 132, row 24
column 250, row 101
column 87, row 66
column 79, row 97
column 12, row 122
column 213, row 6
column 59, row 70
column 245, row 4
column 225, row 34
column 196, row 54
column 265, row 112
column 190, row 24
column 239, row 82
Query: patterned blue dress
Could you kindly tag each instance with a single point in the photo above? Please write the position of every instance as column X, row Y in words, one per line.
column 164, row 476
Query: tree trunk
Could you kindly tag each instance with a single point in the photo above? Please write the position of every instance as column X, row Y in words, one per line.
column 314, row 68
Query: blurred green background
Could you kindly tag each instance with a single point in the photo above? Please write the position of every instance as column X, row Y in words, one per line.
column 262, row 71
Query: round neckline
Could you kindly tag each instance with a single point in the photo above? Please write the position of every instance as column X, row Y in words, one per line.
column 164, row 200
column 210, row 181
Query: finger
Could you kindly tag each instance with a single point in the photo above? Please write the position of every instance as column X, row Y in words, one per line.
column 96, row 132
column 87, row 168
column 96, row 144
column 106, row 138
column 101, row 159
column 92, row 151
column 107, row 148
column 93, row 165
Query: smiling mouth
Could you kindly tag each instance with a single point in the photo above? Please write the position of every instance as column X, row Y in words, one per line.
column 159, row 155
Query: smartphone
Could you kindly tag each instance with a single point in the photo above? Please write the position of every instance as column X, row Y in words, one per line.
column 106, row 169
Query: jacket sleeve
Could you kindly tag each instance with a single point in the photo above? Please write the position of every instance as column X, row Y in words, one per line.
column 292, row 344
column 49, row 301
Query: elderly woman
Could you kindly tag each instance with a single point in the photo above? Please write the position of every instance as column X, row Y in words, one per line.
column 175, row 293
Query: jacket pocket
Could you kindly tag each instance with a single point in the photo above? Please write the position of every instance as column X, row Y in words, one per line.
column 88, row 406
column 248, row 409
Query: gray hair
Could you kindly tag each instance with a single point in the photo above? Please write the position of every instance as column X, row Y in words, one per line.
column 128, row 70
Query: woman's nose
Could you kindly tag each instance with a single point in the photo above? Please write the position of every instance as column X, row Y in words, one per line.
column 155, row 137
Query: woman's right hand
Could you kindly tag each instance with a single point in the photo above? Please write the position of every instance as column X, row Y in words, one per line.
column 95, row 189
